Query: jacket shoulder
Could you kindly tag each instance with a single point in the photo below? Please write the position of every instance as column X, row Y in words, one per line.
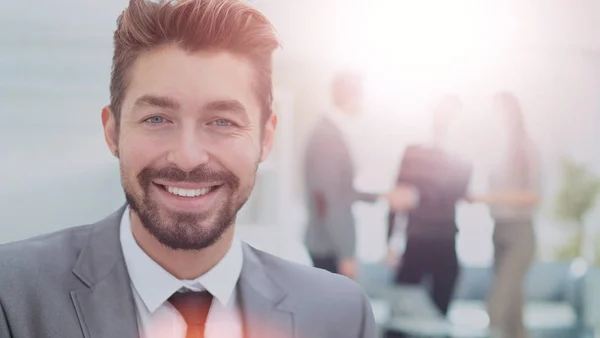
column 308, row 282
column 55, row 252
column 321, row 299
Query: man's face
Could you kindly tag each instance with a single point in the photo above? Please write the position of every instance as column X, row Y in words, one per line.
column 189, row 143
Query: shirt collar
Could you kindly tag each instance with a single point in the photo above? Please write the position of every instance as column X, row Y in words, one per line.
column 155, row 285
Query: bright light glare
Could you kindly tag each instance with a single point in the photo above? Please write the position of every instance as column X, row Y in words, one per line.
column 429, row 44
column 578, row 268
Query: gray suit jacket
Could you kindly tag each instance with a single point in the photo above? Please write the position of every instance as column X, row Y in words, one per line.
column 74, row 283
column 329, row 178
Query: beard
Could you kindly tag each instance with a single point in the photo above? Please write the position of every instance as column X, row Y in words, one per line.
column 186, row 230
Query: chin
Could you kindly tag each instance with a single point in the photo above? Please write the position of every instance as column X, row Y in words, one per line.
column 188, row 239
column 188, row 231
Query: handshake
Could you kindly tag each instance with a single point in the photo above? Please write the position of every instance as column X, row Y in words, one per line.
column 403, row 198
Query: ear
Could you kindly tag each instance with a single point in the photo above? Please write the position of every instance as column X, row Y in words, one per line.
column 110, row 131
column 268, row 137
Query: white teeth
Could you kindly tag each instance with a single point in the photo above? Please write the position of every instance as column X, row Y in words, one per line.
column 188, row 192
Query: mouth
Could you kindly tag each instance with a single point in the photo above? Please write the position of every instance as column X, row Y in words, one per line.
column 188, row 197
column 188, row 192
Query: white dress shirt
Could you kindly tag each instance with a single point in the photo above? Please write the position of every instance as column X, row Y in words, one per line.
column 152, row 286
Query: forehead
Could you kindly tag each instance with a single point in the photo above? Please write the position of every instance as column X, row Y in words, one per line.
column 191, row 78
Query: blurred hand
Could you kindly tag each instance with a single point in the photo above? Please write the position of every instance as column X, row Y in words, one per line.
column 403, row 198
column 321, row 205
column 348, row 267
column 393, row 258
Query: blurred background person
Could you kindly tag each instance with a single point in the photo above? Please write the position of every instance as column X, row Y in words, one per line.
column 329, row 176
column 513, row 196
column 441, row 179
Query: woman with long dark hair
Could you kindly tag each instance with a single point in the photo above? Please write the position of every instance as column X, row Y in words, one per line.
column 513, row 196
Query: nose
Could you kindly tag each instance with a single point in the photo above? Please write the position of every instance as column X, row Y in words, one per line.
column 189, row 151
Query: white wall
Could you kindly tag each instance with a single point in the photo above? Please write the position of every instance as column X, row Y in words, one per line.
column 54, row 70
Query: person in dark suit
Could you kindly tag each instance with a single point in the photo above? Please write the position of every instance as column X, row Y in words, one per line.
column 441, row 179
column 329, row 173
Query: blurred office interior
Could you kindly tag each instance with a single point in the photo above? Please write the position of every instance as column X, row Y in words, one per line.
column 54, row 70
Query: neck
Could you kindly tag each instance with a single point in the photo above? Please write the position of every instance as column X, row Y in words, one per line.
column 349, row 110
column 183, row 264
column 439, row 140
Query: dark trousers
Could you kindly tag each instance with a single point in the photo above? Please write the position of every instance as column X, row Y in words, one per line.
column 329, row 263
column 432, row 259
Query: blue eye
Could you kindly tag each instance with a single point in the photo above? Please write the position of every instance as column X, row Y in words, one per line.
column 222, row 123
column 156, row 120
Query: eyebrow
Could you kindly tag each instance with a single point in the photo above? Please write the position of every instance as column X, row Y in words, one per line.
column 157, row 101
column 233, row 106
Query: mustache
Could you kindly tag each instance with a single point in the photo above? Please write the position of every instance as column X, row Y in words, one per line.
column 198, row 175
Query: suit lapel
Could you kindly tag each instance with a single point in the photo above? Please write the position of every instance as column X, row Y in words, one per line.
column 105, row 307
column 263, row 303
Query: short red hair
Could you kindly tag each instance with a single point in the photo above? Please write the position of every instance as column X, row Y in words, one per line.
column 194, row 25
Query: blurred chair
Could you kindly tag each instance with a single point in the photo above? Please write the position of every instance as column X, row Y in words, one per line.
column 554, row 298
column 408, row 309
column 554, row 293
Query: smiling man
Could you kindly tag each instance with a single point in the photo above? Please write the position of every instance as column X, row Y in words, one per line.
column 189, row 121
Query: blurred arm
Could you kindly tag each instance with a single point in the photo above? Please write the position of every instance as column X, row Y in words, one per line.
column 334, row 176
column 529, row 196
column 516, row 198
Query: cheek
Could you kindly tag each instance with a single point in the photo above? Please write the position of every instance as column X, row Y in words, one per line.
column 238, row 155
column 137, row 153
